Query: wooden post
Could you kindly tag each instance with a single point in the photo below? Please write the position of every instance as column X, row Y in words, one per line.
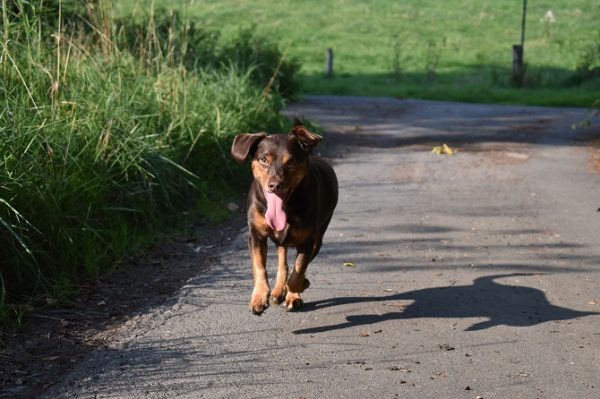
column 523, row 23
column 518, row 70
column 329, row 63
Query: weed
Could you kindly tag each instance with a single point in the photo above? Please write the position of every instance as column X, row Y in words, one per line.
column 547, row 21
column 588, row 65
column 396, row 62
column 433, row 55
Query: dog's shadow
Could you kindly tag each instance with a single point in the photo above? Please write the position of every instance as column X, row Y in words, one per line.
column 500, row 304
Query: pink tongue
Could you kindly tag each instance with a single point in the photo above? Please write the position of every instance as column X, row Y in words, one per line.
column 275, row 215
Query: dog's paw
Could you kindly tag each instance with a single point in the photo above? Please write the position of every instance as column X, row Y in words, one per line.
column 278, row 295
column 293, row 301
column 259, row 303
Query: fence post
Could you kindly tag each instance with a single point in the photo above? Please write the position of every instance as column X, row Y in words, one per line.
column 518, row 71
column 329, row 63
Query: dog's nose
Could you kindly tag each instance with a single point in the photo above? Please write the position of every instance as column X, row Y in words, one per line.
column 274, row 186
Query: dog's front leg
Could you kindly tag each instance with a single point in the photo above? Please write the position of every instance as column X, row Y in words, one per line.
column 260, row 294
column 279, row 291
column 297, row 283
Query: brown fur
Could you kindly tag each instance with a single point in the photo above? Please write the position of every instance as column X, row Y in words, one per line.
column 283, row 164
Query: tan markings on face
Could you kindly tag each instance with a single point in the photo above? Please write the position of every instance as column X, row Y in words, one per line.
column 285, row 157
column 260, row 170
column 292, row 170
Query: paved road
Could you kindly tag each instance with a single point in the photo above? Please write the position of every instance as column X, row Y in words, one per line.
column 475, row 275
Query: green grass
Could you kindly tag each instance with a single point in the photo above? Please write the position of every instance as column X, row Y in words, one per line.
column 453, row 50
column 104, row 146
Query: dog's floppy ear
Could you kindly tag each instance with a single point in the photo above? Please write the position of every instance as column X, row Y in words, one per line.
column 244, row 144
column 306, row 139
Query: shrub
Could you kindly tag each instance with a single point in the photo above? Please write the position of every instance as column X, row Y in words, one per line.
column 588, row 65
column 184, row 43
column 103, row 145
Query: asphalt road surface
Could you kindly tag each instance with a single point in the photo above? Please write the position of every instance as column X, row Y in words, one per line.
column 441, row 276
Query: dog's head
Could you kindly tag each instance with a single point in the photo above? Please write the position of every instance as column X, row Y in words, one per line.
column 279, row 163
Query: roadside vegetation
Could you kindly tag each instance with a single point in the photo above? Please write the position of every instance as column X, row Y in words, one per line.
column 116, row 117
column 450, row 50
column 112, row 131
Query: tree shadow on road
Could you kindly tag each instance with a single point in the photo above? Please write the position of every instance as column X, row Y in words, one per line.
column 499, row 304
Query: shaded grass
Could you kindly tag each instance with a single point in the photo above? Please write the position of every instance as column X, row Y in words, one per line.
column 457, row 87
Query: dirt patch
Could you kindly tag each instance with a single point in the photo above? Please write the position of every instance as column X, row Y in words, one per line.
column 594, row 158
column 501, row 153
column 408, row 174
column 590, row 141
column 594, row 161
column 52, row 341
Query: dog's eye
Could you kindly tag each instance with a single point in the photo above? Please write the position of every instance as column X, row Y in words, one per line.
column 263, row 160
column 290, row 164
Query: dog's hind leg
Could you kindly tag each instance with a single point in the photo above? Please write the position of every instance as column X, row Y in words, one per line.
column 297, row 283
column 279, row 291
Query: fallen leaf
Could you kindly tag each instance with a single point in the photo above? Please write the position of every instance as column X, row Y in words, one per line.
column 443, row 149
column 349, row 264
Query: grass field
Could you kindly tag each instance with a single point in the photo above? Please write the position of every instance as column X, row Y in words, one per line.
column 455, row 50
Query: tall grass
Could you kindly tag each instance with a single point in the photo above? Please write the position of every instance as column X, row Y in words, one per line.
column 101, row 146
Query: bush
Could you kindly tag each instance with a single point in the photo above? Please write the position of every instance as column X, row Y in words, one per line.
column 103, row 145
column 184, row 43
column 268, row 66
column 588, row 65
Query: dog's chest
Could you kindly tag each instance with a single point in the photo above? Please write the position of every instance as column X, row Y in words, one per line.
column 295, row 233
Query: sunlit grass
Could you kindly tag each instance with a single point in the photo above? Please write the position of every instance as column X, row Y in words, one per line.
column 453, row 50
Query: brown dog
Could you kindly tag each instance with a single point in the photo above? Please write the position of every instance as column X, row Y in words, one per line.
column 291, row 201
